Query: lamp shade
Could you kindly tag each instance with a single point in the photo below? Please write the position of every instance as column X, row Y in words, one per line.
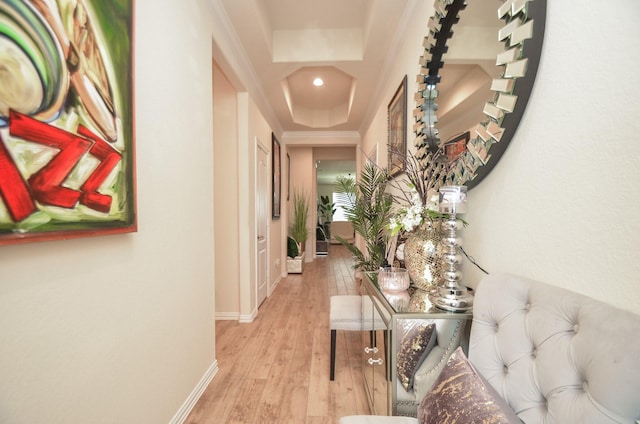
column 453, row 199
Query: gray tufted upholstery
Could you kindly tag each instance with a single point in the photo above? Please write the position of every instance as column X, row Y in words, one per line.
column 556, row 356
column 449, row 335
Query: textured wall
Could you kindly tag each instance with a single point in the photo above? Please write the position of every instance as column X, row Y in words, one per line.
column 120, row 329
column 562, row 205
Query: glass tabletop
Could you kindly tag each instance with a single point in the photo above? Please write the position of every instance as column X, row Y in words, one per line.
column 411, row 301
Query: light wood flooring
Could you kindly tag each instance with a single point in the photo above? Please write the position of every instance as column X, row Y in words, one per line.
column 276, row 369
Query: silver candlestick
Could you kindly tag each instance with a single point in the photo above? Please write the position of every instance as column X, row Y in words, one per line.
column 452, row 295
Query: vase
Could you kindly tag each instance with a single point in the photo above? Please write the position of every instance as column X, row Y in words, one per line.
column 399, row 300
column 393, row 279
column 420, row 301
column 422, row 251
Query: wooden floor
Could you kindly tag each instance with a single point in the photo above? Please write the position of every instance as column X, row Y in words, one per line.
column 276, row 369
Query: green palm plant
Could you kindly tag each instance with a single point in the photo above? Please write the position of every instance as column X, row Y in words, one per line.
column 369, row 209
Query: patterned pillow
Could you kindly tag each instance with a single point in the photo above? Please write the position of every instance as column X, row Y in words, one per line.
column 418, row 338
column 461, row 395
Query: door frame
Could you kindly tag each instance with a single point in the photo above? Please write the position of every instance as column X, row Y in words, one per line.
column 258, row 145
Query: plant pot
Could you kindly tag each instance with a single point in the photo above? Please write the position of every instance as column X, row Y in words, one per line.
column 295, row 265
column 322, row 247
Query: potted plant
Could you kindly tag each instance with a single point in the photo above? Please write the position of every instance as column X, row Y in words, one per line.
column 295, row 260
column 368, row 208
column 326, row 209
column 298, row 231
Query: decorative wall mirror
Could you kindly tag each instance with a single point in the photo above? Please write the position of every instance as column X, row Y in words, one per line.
column 496, row 77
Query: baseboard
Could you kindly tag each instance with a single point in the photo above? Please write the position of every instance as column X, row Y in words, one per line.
column 227, row 316
column 248, row 318
column 187, row 406
column 272, row 287
column 236, row 316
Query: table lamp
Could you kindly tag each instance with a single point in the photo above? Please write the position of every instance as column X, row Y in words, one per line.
column 451, row 295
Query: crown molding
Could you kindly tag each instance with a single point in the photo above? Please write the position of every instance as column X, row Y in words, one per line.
column 391, row 58
column 229, row 53
column 337, row 138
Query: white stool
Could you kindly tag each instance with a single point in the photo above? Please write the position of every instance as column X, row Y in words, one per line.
column 345, row 313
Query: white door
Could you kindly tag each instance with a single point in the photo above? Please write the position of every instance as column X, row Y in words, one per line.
column 262, row 219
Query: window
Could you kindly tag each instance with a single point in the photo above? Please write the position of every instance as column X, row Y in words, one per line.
column 341, row 200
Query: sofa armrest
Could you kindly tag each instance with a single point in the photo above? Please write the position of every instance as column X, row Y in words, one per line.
column 450, row 334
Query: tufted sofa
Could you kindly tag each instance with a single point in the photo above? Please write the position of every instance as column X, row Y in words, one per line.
column 555, row 356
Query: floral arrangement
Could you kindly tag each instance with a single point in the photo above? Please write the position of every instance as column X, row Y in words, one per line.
column 411, row 217
column 416, row 194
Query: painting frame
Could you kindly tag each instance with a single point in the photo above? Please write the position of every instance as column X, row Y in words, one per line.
column 397, row 130
column 67, row 166
column 288, row 176
column 456, row 145
column 276, row 178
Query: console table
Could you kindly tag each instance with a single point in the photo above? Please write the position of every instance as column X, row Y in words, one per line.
column 385, row 394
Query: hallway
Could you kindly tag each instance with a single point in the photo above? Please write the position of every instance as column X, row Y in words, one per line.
column 276, row 369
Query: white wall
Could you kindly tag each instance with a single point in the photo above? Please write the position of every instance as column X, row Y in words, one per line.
column 408, row 50
column 325, row 190
column 562, row 205
column 303, row 180
column 120, row 329
column 304, row 149
column 252, row 123
column 225, row 131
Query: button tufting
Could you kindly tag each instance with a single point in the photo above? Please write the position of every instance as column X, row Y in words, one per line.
column 575, row 328
column 528, row 307
column 534, row 352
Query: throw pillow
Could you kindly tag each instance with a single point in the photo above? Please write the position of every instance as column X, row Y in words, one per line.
column 418, row 338
column 461, row 395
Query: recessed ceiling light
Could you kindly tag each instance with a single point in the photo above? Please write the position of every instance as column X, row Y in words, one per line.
column 318, row 82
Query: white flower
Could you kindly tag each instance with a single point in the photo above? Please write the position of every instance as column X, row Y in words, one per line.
column 433, row 201
column 394, row 225
column 411, row 217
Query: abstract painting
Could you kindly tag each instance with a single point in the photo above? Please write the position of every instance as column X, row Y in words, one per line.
column 67, row 163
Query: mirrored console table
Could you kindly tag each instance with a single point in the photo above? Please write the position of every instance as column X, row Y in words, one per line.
column 385, row 393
